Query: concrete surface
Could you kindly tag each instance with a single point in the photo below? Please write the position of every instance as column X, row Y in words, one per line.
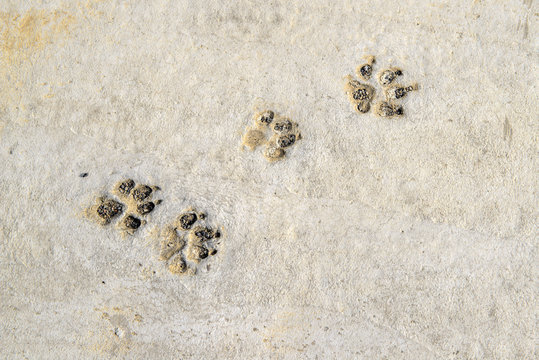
column 375, row 238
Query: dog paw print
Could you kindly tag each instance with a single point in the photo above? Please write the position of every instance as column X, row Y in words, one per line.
column 188, row 242
column 132, row 200
column 275, row 132
column 361, row 95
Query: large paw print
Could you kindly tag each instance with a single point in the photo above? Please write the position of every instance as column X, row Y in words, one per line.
column 362, row 95
column 284, row 133
column 187, row 242
column 134, row 201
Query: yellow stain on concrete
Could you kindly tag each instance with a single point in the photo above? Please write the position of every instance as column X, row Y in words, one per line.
column 24, row 35
column 27, row 41
column 23, row 39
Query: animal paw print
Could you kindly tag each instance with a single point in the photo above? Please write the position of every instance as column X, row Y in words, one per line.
column 362, row 95
column 187, row 242
column 284, row 133
column 135, row 203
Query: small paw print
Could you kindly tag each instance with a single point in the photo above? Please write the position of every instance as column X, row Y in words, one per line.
column 188, row 242
column 361, row 95
column 138, row 199
column 283, row 134
column 134, row 201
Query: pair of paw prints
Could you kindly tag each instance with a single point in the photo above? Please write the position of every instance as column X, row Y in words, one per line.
column 284, row 133
column 187, row 242
column 362, row 95
column 128, row 198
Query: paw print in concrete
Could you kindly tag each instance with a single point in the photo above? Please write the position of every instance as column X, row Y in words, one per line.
column 275, row 132
column 132, row 200
column 188, row 242
column 361, row 95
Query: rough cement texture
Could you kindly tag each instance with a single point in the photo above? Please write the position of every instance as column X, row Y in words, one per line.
column 402, row 238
